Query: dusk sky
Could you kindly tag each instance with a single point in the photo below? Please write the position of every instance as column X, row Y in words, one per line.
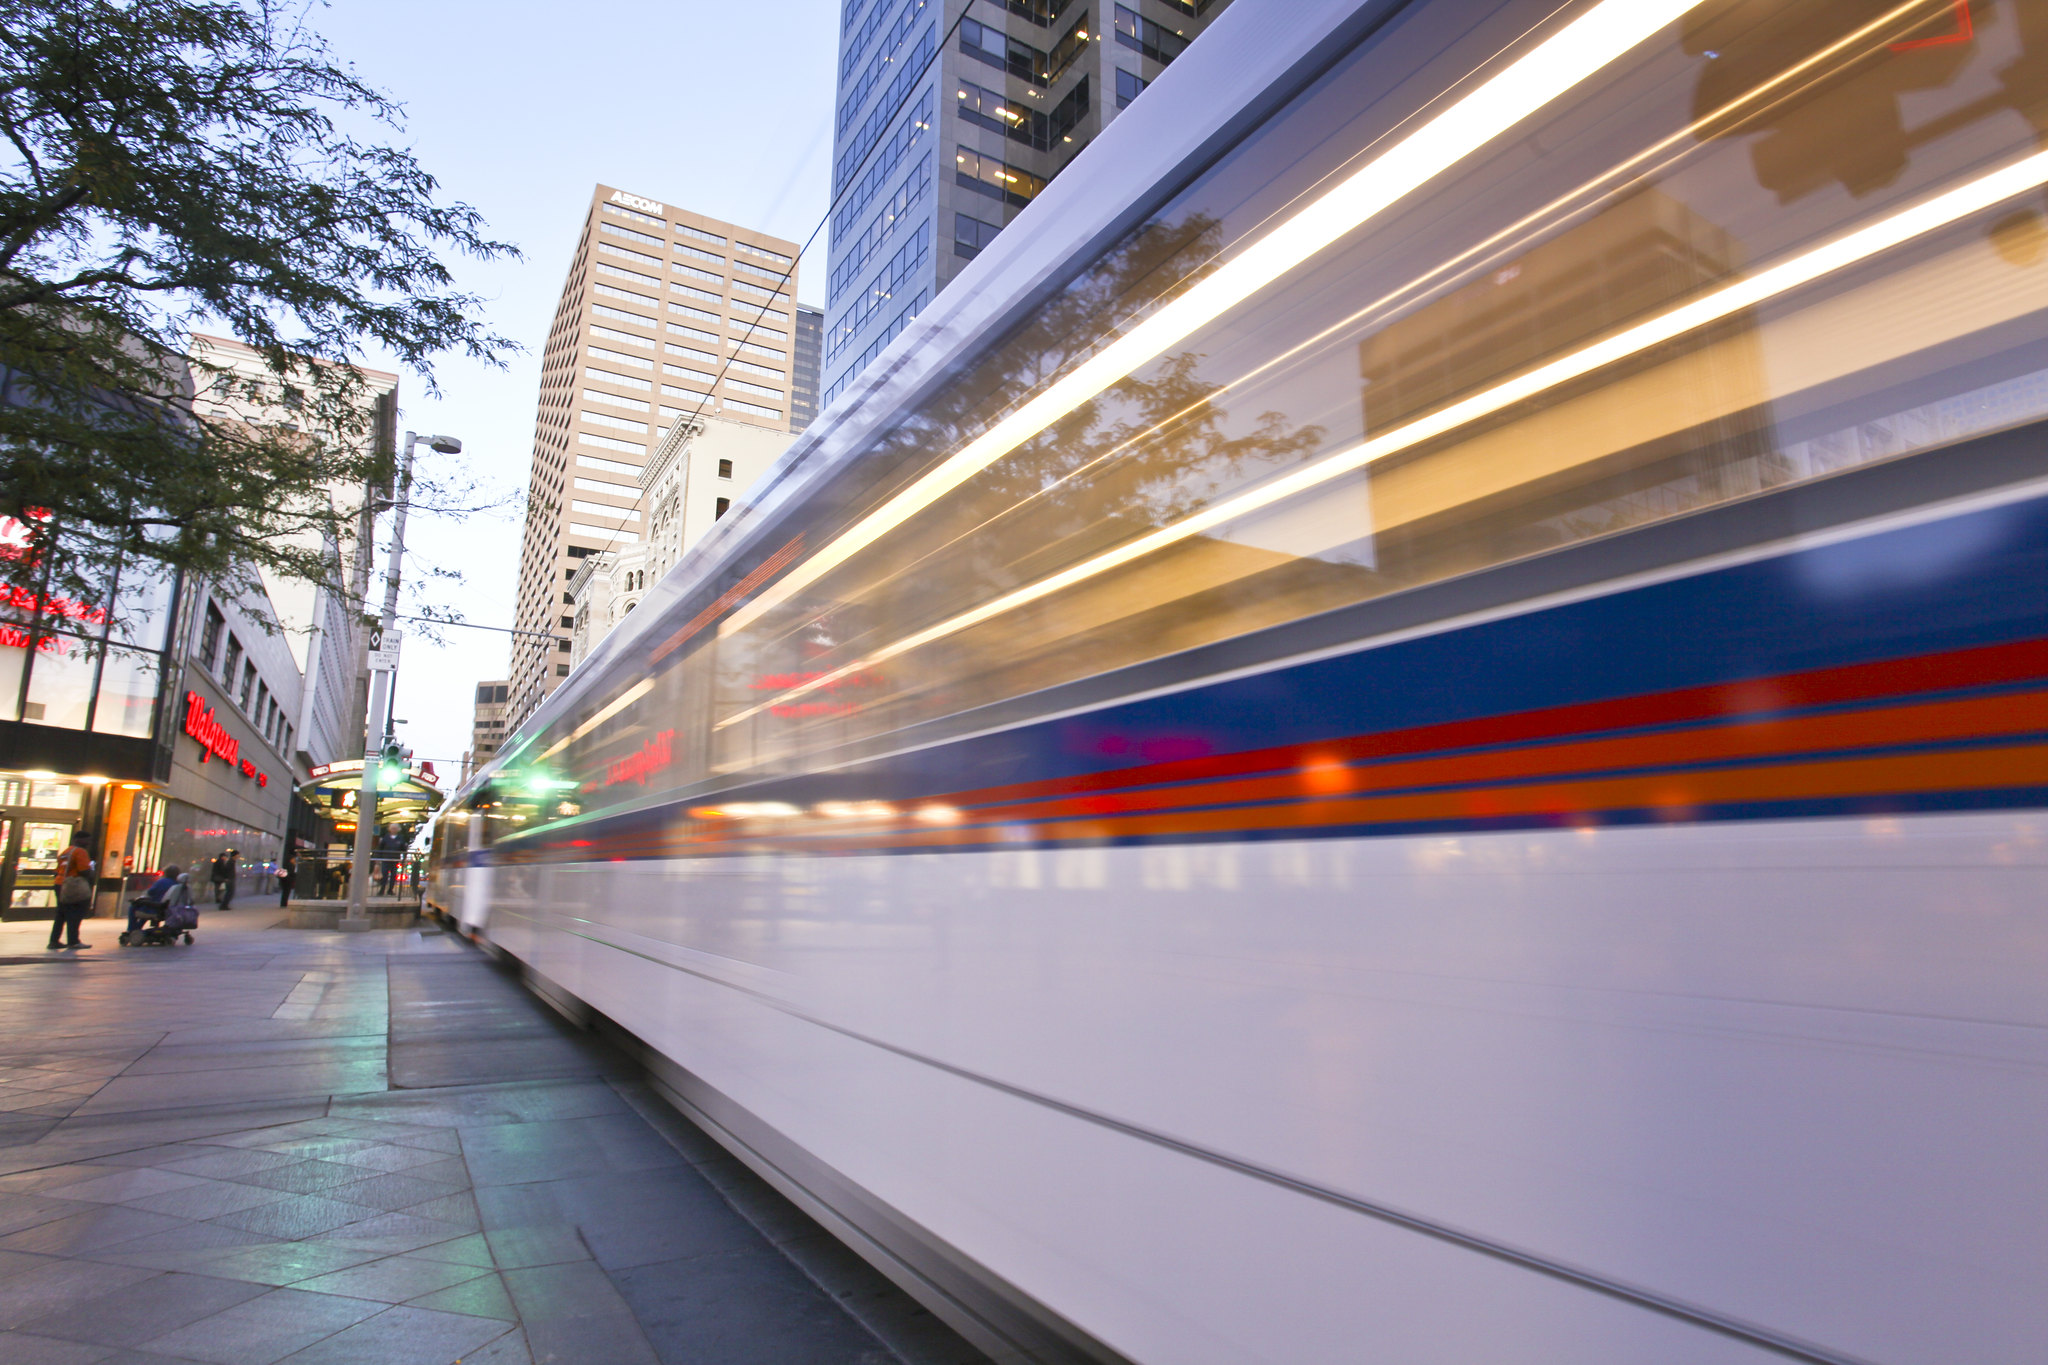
column 520, row 114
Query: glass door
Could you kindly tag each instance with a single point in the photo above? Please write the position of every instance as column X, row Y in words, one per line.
column 35, row 866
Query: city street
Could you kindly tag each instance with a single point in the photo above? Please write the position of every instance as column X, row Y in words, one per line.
column 375, row 1149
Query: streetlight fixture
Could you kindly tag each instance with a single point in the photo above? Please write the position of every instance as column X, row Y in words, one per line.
column 383, row 667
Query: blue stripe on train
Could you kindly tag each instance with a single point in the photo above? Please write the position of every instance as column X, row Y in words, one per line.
column 1980, row 578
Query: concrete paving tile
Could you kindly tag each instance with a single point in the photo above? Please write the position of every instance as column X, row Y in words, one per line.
column 19, row 1211
column 746, row 1308
column 470, row 1250
column 58, row 1285
column 322, row 1147
column 210, row 1200
column 515, row 1154
column 459, row 1209
column 122, row 1186
column 23, row 1348
column 302, row 1177
column 224, row 1056
column 391, row 1233
column 281, row 1263
column 509, row 1349
column 628, row 1220
column 187, row 1239
column 131, row 1093
column 520, row 1248
column 482, row 1297
column 570, row 1290
column 391, row 1156
column 265, row 1328
column 452, row 1170
column 442, row 1140
column 391, row 1192
column 614, row 1338
column 394, row 1279
column 14, row 1262
column 227, row 1163
column 49, row 1177
column 472, row 1107
column 99, row 1227
column 297, row 1216
column 403, row 1336
column 138, row 1312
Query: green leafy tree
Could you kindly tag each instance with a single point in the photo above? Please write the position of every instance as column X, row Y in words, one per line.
column 178, row 166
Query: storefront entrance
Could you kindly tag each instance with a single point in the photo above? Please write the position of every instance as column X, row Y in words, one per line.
column 36, row 821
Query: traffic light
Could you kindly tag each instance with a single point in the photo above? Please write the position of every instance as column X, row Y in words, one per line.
column 390, row 766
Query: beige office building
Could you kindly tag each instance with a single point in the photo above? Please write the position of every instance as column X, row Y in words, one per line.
column 665, row 314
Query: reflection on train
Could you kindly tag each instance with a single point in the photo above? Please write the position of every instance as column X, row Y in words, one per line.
column 1412, row 724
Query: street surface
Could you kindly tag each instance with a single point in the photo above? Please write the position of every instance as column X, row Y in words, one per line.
column 376, row 1149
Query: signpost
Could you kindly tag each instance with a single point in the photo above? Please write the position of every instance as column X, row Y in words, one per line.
column 380, row 656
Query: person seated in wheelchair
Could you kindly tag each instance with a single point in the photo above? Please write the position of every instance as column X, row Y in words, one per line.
column 164, row 911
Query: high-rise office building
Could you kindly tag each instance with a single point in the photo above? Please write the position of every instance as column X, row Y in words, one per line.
column 487, row 729
column 665, row 314
column 803, row 379
column 932, row 158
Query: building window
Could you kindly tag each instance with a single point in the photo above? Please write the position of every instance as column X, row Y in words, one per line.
column 1067, row 49
column 562, row 646
column 561, row 670
column 483, row 694
column 1043, row 12
column 1129, row 85
column 209, row 638
column 720, row 510
column 995, row 178
column 1140, row 34
column 725, row 469
column 1011, row 118
column 248, row 684
column 233, row 661
column 1001, row 51
column 970, row 235
column 1068, row 113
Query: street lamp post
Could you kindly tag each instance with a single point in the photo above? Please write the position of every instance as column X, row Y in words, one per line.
column 357, row 916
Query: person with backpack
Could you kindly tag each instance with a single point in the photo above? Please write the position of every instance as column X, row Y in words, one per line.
column 74, row 893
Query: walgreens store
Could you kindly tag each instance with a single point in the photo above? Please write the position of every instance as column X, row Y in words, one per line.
column 110, row 725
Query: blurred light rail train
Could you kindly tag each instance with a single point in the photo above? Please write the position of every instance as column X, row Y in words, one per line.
column 1410, row 725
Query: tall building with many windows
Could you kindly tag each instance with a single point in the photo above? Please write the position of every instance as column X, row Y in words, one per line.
column 935, row 151
column 665, row 314
column 803, row 379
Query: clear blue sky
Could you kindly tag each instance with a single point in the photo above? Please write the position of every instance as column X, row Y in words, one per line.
column 519, row 109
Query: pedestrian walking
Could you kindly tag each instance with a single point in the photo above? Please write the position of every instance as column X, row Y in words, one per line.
column 226, row 868
column 74, row 893
column 287, row 877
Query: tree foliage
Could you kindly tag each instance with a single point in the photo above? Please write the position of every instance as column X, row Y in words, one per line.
column 171, row 167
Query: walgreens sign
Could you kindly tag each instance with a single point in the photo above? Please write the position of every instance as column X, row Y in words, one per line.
column 214, row 739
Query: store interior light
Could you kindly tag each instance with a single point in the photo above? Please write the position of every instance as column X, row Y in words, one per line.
column 131, row 786
column 1552, row 68
column 95, row 780
column 40, row 774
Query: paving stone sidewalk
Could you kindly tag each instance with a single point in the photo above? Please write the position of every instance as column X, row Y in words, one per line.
column 377, row 1149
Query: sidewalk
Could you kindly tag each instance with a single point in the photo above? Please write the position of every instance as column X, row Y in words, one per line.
column 377, row 1149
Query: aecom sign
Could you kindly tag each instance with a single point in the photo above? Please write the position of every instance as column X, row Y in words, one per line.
column 634, row 201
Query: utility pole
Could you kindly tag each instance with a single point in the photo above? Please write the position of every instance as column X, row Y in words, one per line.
column 381, row 670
